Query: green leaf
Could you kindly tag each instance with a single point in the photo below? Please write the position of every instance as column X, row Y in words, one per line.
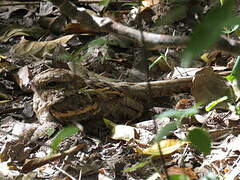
column 208, row 32
column 173, row 125
column 230, row 78
column 178, row 113
column 236, row 68
column 166, row 130
column 231, row 29
column 221, row 1
column 234, row 78
column 97, row 42
column 67, row 131
column 137, row 166
column 179, row 177
column 200, row 140
column 160, row 58
column 109, row 123
column 104, row 3
column 214, row 103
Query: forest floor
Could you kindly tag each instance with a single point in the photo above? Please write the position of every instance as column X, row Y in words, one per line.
column 140, row 115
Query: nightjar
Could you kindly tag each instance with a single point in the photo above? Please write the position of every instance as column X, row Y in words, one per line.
column 61, row 95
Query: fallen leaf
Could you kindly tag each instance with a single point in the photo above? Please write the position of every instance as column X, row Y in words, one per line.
column 148, row 3
column 6, row 66
column 168, row 146
column 208, row 86
column 184, row 103
column 16, row 30
column 23, row 78
column 211, row 56
column 39, row 49
column 180, row 72
column 127, row 133
column 123, row 132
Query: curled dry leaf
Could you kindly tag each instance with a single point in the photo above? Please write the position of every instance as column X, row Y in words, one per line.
column 15, row 30
column 23, row 78
column 127, row 133
column 168, row 146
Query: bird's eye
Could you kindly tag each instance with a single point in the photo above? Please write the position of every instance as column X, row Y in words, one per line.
column 51, row 84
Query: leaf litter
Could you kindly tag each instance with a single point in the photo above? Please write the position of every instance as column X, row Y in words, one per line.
column 98, row 155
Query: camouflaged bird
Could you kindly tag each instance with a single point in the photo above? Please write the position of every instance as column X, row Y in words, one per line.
column 61, row 95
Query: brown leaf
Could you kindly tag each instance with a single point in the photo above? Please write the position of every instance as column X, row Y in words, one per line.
column 11, row 31
column 208, row 86
column 39, row 49
column 148, row 3
column 6, row 66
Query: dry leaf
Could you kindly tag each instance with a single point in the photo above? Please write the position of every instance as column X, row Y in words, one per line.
column 180, row 72
column 208, row 86
column 6, row 66
column 16, row 30
column 127, row 133
column 211, row 56
column 123, row 132
column 23, row 78
column 39, row 49
column 184, row 103
column 148, row 3
column 11, row 10
column 168, row 146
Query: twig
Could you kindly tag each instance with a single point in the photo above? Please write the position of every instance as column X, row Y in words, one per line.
column 64, row 172
column 151, row 41
column 38, row 162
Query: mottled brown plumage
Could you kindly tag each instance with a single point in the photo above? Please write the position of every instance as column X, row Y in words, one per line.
column 61, row 95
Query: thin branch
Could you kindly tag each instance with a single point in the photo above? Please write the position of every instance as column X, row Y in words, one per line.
column 152, row 41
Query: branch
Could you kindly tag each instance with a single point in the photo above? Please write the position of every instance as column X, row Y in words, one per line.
column 151, row 41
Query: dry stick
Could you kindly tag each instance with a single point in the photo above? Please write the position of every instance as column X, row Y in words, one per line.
column 152, row 41
column 38, row 162
column 65, row 173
